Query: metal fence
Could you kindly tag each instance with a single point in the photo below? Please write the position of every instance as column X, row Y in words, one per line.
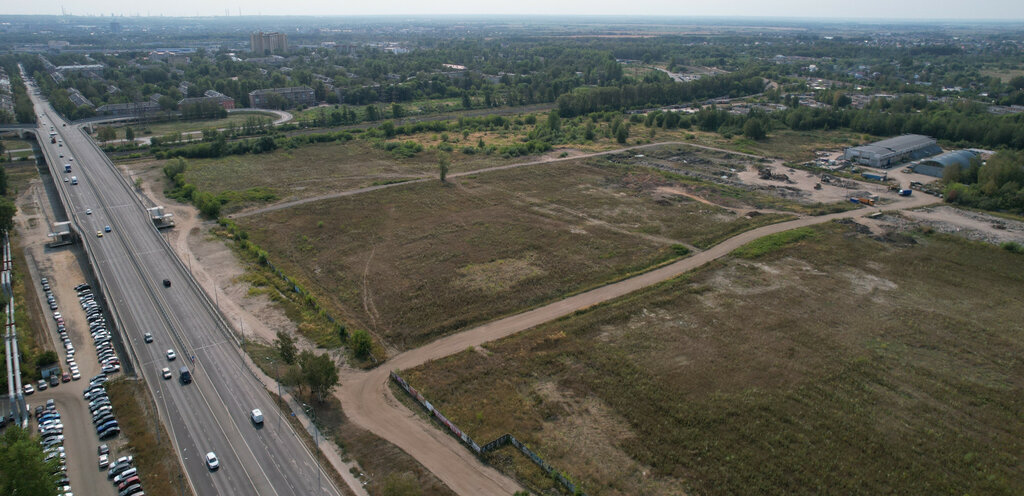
column 491, row 446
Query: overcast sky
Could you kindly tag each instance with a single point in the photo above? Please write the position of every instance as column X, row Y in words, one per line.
column 860, row 9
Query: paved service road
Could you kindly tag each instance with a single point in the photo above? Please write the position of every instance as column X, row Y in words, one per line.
column 131, row 261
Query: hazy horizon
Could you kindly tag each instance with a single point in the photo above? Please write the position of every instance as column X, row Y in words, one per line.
column 912, row 10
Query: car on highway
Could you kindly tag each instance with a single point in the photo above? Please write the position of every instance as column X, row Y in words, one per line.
column 165, row 372
column 88, row 211
column 211, row 461
column 147, row 337
column 167, row 283
column 257, row 416
column 106, row 228
column 99, row 234
column 171, row 355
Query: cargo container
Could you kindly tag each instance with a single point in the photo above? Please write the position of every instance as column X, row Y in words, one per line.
column 906, row 192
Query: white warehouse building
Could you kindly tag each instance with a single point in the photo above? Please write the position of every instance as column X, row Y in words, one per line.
column 893, row 151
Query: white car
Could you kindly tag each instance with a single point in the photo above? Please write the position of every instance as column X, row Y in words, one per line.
column 257, row 416
column 88, row 211
column 211, row 461
column 166, row 372
column 171, row 355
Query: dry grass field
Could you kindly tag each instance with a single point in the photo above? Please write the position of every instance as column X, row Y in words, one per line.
column 417, row 261
column 320, row 169
column 828, row 362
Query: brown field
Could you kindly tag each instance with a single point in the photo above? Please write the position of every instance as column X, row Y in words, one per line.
column 832, row 362
column 318, row 169
column 417, row 261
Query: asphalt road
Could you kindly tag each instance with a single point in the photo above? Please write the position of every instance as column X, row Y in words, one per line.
column 211, row 413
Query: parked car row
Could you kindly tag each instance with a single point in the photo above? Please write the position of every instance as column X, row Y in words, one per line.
column 51, row 437
column 100, row 408
column 125, row 476
column 101, row 338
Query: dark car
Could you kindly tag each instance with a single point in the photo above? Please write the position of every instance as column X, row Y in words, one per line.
column 54, row 380
column 167, row 283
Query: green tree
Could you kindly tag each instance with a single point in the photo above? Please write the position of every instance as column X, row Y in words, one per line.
column 554, row 121
column 106, row 133
column 361, row 343
column 443, row 162
column 466, row 102
column 755, row 129
column 45, row 358
column 129, row 134
column 7, row 211
column 23, row 470
column 3, row 179
column 622, row 134
column 319, row 372
column 286, row 347
column 397, row 111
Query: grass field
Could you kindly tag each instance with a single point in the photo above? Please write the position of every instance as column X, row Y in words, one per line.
column 417, row 261
column 1004, row 75
column 319, row 169
column 791, row 146
column 832, row 363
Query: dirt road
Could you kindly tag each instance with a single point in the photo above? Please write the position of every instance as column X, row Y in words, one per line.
column 367, row 401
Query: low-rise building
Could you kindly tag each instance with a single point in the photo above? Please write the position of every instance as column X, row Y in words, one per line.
column 134, row 109
column 292, row 97
column 210, row 96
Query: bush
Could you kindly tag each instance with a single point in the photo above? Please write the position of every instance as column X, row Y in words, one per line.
column 361, row 343
column 773, row 242
column 1012, row 247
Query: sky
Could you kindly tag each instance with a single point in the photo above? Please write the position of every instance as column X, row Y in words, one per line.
column 852, row 9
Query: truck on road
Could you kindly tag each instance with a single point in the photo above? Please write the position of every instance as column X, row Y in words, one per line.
column 67, row 167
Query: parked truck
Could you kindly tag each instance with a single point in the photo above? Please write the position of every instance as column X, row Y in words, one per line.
column 906, row 192
column 864, row 201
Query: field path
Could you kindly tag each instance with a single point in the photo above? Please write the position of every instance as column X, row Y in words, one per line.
column 339, row 194
column 368, row 402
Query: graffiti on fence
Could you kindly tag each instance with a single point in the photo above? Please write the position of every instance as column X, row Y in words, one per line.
column 491, row 446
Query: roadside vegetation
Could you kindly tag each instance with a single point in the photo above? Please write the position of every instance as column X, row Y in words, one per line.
column 849, row 362
column 23, row 467
column 386, row 469
column 148, row 441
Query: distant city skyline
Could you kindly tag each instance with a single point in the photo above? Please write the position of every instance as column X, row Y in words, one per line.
column 1006, row 10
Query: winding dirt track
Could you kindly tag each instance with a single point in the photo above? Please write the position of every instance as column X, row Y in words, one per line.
column 368, row 402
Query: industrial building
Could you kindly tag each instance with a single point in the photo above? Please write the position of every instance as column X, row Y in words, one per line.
column 287, row 97
column 262, row 43
column 893, row 151
column 936, row 166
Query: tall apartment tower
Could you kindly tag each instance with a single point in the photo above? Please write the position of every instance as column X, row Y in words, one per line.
column 261, row 42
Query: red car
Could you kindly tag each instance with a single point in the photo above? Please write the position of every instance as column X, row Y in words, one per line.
column 66, row 377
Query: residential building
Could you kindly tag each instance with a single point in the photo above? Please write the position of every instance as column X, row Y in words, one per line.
column 293, row 97
column 261, row 42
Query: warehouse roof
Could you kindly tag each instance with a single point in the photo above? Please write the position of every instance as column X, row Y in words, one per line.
column 896, row 145
column 936, row 166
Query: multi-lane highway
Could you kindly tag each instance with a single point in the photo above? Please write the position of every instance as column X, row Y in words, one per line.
column 131, row 261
